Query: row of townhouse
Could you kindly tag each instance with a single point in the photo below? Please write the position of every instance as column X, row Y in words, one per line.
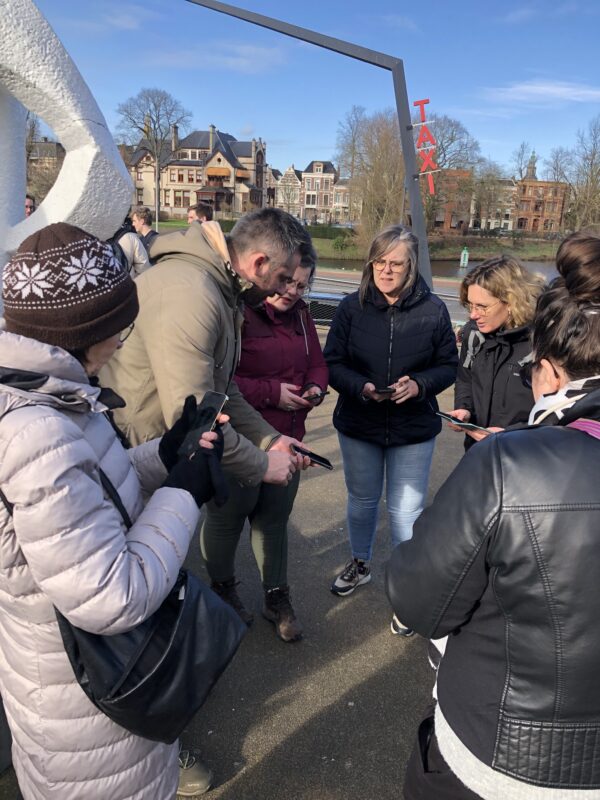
column 316, row 194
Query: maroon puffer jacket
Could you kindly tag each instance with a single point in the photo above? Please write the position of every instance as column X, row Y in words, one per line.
column 279, row 348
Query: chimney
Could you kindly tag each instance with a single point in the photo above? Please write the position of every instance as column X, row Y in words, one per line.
column 211, row 138
column 174, row 138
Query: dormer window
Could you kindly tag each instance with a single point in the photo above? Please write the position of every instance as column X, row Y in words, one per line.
column 318, row 167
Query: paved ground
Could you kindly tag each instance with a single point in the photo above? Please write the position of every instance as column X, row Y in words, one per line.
column 332, row 717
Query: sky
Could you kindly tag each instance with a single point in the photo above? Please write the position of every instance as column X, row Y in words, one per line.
column 510, row 72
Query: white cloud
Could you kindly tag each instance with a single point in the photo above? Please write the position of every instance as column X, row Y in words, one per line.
column 518, row 15
column 540, row 92
column 400, row 21
column 246, row 58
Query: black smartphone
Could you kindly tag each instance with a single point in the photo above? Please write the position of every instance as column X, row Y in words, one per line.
column 206, row 419
column 386, row 390
column 314, row 397
column 315, row 459
column 466, row 426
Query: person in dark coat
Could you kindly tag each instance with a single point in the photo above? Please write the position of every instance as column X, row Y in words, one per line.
column 390, row 350
column 500, row 295
column 281, row 374
column 506, row 562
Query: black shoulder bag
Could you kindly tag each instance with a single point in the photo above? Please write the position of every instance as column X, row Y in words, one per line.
column 153, row 679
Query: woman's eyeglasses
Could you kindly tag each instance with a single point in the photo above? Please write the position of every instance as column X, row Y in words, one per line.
column 396, row 266
column 301, row 288
column 126, row 333
column 479, row 309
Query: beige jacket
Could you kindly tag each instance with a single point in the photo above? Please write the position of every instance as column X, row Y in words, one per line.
column 65, row 545
column 186, row 341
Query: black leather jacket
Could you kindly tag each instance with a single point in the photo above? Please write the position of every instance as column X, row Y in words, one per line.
column 507, row 561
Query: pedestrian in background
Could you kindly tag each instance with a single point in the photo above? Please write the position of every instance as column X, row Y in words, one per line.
column 390, row 350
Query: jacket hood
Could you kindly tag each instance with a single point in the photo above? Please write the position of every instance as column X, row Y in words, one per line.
column 34, row 373
column 202, row 245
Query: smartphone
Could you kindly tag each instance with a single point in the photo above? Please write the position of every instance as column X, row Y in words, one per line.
column 315, row 459
column 206, row 419
column 314, row 397
column 386, row 390
column 465, row 426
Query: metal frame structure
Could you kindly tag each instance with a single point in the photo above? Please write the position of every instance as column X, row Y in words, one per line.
column 391, row 63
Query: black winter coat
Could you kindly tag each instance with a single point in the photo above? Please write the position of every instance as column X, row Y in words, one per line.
column 488, row 384
column 506, row 560
column 380, row 343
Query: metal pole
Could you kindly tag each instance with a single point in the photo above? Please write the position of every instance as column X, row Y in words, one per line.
column 382, row 60
column 412, row 173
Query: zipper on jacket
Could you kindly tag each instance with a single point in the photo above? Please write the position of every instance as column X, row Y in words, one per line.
column 389, row 374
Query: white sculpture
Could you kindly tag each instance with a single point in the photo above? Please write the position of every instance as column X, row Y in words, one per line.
column 93, row 189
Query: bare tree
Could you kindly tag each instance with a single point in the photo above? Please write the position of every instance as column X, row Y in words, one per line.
column 492, row 192
column 579, row 168
column 150, row 116
column 348, row 154
column 379, row 174
column 455, row 149
column 520, row 159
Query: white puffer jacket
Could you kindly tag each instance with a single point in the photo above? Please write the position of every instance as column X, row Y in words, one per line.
column 66, row 546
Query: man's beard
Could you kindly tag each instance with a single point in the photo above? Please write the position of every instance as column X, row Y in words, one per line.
column 254, row 296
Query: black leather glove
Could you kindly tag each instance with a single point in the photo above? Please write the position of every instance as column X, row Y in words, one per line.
column 202, row 475
column 173, row 438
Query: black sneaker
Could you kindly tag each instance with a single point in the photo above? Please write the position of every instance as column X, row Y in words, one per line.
column 278, row 610
column 354, row 574
column 398, row 629
column 227, row 592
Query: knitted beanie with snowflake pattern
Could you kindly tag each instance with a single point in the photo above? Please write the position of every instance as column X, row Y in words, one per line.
column 65, row 287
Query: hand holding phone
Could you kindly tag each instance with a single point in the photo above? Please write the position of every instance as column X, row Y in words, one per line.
column 385, row 390
column 206, row 419
column 321, row 461
column 313, row 398
column 464, row 426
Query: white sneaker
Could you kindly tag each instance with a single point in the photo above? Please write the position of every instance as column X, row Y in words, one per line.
column 195, row 778
column 354, row 574
column 398, row 629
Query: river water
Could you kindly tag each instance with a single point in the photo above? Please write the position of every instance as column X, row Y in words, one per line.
column 441, row 269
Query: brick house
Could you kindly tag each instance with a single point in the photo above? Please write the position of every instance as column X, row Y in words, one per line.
column 206, row 166
column 541, row 205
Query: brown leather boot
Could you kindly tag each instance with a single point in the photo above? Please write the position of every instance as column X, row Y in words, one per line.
column 227, row 592
column 278, row 610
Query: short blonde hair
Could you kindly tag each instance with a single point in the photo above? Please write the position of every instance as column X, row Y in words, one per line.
column 508, row 281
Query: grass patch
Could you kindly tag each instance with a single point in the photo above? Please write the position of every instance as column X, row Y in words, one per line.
column 325, row 249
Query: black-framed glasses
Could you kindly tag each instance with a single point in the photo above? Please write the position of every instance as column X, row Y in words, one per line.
column 526, row 373
column 126, row 333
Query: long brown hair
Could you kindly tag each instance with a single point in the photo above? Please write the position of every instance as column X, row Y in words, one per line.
column 382, row 244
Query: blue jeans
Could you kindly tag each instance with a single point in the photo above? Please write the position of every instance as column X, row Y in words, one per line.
column 406, row 468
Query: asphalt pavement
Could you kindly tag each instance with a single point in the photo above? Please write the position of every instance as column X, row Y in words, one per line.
column 332, row 717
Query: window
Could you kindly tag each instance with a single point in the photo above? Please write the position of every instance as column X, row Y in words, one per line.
column 317, row 184
column 326, row 200
column 311, row 200
column 337, row 199
column 140, row 197
column 167, row 197
column 318, row 167
column 308, row 184
column 198, row 176
column 191, row 174
column 183, row 154
column 179, row 176
column 172, row 176
column 177, row 194
column 326, row 184
column 193, row 154
column 139, row 176
column 186, row 199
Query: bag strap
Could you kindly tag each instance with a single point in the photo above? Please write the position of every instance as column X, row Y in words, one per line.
column 115, row 497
